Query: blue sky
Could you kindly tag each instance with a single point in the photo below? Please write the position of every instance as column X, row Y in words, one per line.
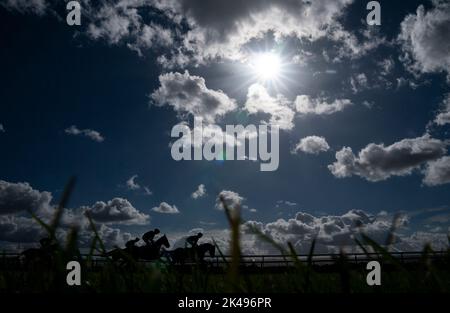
column 100, row 77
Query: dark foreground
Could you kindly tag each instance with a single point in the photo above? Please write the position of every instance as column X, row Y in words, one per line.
column 427, row 274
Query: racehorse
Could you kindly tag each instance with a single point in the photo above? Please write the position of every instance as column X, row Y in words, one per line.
column 38, row 256
column 152, row 252
column 147, row 252
column 194, row 254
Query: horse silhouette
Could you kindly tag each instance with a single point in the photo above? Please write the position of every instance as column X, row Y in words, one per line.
column 194, row 254
column 43, row 256
column 147, row 252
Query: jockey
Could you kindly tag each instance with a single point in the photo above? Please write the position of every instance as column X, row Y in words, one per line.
column 192, row 240
column 131, row 243
column 148, row 236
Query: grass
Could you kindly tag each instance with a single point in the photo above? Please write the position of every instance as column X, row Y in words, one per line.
column 303, row 277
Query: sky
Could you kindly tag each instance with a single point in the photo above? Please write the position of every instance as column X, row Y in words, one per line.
column 363, row 112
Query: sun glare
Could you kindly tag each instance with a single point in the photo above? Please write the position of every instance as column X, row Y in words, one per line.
column 266, row 66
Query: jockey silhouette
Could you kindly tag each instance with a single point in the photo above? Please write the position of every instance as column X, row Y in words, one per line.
column 192, row 240
column 131, row 243
column 148, row 236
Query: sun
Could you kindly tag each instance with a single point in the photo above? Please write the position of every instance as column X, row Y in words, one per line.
column 266, row 66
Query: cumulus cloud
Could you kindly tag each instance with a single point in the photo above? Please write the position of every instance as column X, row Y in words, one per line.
column 188, row 94
column 312, row 145
column 220, row 29
column 122, row 21
column 18, row 197
column 377, row 162
column 418, row 240
column 91, row 134
column 112, row 237
column 19, row 229
column 27, row 232
column 38, row 7
column 166, row 208
column 424, row 39
column 304, row 104
column 329, row 231
column 437, row 172
column 211, row 133
column 200, row 192
column 333, row 232
column 198, row 32
column 117, row 211
column 259, row 100
column 444, row 116
column 230, row 198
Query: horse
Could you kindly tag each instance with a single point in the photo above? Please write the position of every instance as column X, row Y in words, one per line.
column 194, row 254
column 152, row 252
column 147, row 252
column 38, row 256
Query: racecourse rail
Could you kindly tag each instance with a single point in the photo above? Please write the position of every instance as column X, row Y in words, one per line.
column 274, row 260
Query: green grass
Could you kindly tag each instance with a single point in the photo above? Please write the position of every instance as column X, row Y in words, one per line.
column 303, row 277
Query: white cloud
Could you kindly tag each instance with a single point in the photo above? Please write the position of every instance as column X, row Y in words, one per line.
column 444, row 116
column 166, row 208
column 91, row 134
column 312, row 145
column 132, row 184
column 335, row 232
column 221, row 28
column 303, row 58
column 418, row 240
column 377, row 162
column 359, row 82
column 17, row 197
column 27, row 232
column 386, row 65
column 230, row 198
column 306, row 105
column 117, row 211
column 197, row 32
column 200, row 192
column 2, row 129
column 19, row 229
column 147, row 191
column 111, row 237
column 188, row 94
column 437, row 172
column 424, row 39
column 259, row 100
column 349, row 47
column 122, row 21
column 210, row 133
